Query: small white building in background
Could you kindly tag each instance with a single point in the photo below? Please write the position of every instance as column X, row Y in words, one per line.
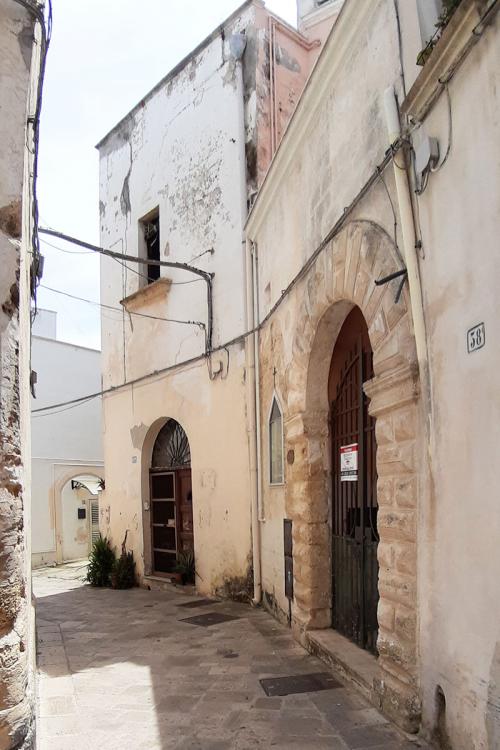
column 67, row 456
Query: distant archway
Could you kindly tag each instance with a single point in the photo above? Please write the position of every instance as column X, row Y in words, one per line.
column 78, row 517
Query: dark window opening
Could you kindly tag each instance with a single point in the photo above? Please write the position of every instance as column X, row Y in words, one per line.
column 151, row 233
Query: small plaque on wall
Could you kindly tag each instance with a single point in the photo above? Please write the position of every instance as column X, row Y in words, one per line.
column 349, row 462
column 82, row 514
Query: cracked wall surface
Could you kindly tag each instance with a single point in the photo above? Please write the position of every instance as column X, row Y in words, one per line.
column 16, row 631
column 194, row 149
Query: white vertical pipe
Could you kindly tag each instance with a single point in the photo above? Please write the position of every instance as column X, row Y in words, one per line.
column 407, row 220
column 252, row 425
column 255, row 276
column 251, row 348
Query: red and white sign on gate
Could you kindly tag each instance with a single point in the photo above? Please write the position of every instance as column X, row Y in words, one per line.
column 349, row 462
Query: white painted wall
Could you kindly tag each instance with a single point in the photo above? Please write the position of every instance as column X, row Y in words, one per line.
column 183, row 151
column 45, row 324
column 64, row 444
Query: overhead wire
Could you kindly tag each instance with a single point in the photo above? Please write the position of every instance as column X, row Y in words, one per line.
column 120, row 309
column 34, row 121
column 338, row 226
column 122, row 263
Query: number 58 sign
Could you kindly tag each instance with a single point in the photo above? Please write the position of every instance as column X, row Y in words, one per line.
column 476, row 338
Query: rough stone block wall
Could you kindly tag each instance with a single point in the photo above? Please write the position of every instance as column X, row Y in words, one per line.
column 16, row 648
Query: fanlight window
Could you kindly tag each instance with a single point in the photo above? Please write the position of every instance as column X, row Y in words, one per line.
column 171, row 449
column 276, row 444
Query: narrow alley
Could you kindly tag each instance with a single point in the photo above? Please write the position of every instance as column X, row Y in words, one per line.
column 127, row 669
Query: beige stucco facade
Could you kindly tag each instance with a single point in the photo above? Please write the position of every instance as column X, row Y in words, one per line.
column 325, row 227
column 193, row 153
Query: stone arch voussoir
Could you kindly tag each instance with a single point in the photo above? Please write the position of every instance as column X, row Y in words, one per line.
column 342, row 276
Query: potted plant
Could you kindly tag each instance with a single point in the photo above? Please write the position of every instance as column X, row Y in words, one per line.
column 185, row 566
column 123, row 573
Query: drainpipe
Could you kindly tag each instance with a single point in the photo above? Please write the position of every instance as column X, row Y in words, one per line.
column 237, row 45
column 256, row 340
column 253, row 422
column 407, row 218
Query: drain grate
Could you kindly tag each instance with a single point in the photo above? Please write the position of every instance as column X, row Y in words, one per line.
column 299, row 683
column 211, row 618
column 197, row 603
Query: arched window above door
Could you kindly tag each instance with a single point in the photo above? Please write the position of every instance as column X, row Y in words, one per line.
column 276, row 471
column 171, row 449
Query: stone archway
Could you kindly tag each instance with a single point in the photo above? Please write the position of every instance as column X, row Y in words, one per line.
column 63, row 479
column 341, row 277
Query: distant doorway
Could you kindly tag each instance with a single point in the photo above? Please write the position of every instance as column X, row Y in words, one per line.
column 354, row 491
column 171, row 498
column 80, row 516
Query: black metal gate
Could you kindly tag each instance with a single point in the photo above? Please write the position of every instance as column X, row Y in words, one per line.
column 354, row 517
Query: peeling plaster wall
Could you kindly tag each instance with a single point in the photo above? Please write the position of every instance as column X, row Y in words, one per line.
column 69, row 439
column 196, row 148
column 16, row 615
column 183, row 151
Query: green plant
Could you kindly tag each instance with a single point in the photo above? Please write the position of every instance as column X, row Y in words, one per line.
column 123, row 575
column 185, row 565
column 101, row 561
column 449, row 7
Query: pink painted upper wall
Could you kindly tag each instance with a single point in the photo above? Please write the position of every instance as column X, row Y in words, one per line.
column 286, row 58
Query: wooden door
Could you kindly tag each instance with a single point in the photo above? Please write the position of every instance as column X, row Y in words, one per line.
column 185, row 510
column 163, row 521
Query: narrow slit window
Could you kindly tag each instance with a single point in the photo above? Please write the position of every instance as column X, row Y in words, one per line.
column 276, row 444
column 150, row 230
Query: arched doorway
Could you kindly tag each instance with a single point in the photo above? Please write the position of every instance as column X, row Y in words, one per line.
column 354, row 486
column 171, row 498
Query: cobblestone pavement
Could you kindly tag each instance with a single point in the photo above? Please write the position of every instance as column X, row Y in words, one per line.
column 119, row 669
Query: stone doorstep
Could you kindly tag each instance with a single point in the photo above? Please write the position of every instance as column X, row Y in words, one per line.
column 355, row 666
column 158, row 583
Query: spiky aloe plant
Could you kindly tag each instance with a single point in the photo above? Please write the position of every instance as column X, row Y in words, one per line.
column 101, row 562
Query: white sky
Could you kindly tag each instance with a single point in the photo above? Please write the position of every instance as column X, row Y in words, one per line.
column 104, row 56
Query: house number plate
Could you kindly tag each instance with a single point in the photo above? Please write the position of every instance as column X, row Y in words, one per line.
column 476, row 338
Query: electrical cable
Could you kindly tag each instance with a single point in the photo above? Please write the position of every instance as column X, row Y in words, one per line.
column 67, row 408
column 121, row 309
column 143, row 276
column 150, row 279
column 205, row 275
column 450, row 131
column 400, row 44
column 395, row 218
column 205, row 252
column 65, row 250
column 34, row 121
column 338, row 226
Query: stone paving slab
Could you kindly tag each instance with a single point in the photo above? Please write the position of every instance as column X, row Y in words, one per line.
column 120, row 669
